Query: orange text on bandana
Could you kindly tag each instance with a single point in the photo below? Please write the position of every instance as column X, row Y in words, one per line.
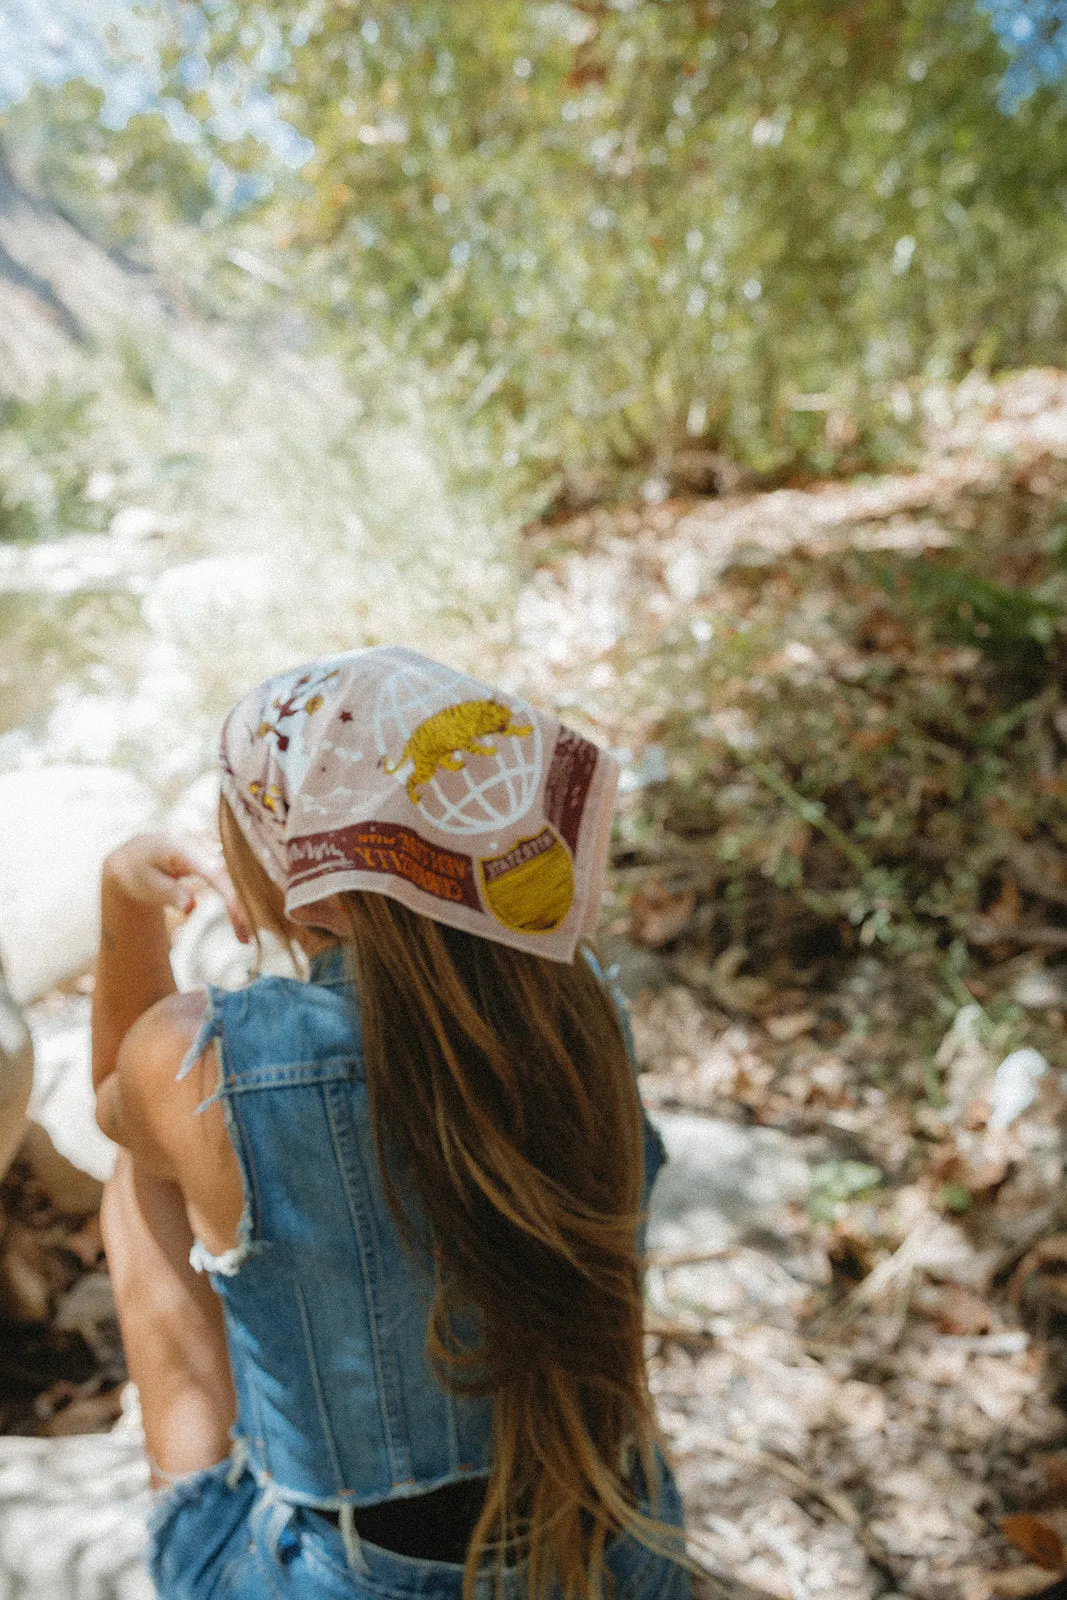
column 385, row 847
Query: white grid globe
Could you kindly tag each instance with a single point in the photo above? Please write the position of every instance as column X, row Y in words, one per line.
column 490, row 792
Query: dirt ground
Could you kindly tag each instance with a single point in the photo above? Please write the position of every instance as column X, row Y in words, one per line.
column 863, row 1395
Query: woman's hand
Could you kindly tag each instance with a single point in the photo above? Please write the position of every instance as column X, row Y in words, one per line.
column 140, row 880
column 159, row 870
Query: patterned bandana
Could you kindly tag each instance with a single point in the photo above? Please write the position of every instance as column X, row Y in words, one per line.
column 384, row 771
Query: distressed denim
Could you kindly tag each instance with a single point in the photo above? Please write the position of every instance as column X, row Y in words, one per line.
column 217, row 1536
column 326, row 1316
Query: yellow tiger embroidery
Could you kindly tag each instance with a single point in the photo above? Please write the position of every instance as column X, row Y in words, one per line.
column 445, row 738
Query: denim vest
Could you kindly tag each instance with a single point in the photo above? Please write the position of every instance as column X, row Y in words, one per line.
column 326, row 1312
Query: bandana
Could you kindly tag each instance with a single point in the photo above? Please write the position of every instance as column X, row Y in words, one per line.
column 384, row 771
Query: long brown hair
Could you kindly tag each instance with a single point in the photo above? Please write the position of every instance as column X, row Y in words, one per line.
column 503, row 1103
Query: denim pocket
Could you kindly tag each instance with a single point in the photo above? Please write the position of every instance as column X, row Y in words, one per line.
column 197, row 1530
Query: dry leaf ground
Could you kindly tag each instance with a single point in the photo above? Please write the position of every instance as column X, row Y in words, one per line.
column 860, row 1396
column 862, row 1390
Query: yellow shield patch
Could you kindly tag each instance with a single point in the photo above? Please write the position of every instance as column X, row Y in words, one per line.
column 531, row 886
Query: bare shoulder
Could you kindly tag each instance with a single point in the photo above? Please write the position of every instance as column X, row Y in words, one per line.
column 154, row 1114
column 163, row 1035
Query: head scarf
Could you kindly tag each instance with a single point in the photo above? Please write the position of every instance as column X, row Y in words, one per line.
column 384, row 771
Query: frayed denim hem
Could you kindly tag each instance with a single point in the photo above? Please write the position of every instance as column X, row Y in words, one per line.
column 181, row 1490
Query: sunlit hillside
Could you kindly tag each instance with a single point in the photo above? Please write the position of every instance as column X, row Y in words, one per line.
column 186, row 502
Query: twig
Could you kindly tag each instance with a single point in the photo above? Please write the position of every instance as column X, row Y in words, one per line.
column 666, row 1259
column 896, row 1271
column 839, row 1504
column 832, row 1499
column 715, row 1583
column 812, row 812
column 1030, row 938
column 679, row 1332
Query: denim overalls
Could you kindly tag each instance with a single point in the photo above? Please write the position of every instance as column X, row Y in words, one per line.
column 326, row 1319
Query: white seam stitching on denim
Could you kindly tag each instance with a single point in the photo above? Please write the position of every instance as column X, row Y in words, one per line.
column 320, row 1398
column 353, row 1211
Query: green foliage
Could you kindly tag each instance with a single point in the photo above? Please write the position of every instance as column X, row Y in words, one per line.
column 834, row 1183
column 614, row 228
column 1014, row 627
column 46, row 456
column 900, row 792
column 124, row 181
column 136, row 364
column 955, row 1197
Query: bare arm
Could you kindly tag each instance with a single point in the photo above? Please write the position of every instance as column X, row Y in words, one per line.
column 141, row 1105
column 140, row 879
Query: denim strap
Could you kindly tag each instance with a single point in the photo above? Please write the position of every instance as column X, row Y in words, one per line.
column 346, row 1518
column 238, row 1461
column 210, row 1028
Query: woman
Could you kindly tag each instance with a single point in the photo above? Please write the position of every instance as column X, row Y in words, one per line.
column 375, row 1237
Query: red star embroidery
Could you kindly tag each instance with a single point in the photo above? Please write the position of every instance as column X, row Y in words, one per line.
column 346, row 716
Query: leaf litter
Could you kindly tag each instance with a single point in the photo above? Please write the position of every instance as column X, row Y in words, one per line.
column 840, row 907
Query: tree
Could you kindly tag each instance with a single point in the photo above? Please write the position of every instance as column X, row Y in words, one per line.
column 609, row 227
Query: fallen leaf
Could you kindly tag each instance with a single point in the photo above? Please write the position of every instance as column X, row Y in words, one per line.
column 1022, row 1583
column 870, row 739
column 955, row 1310
column 1048, row 1253
column 70, row 1191
column 1040, row 1543
column 84, row 1414
column 26, row 1282
column 657, row 915
column 784, row 1029
column 1007, row 907
column 87, row 1243
column 729, row 988
column 880, row 630
column 980, row 1167
column 1055, row 1490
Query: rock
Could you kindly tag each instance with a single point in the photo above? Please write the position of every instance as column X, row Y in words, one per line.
column 791, row 1025
column 696, row 470
column 1015, row 1086
column 72, row 1518
column 658, row 914
column 197, row 807
column 188, row 603
column 60, row 823
column 634, row 968
column 89, row 1309
column 1040, row 988
column 63, row 1101
column 966, row 1063
column 138, row 522
column 722, row 1183
column 724, row 983
column 27, row 1276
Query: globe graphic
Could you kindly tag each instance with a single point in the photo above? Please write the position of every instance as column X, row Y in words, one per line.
column 488, row 792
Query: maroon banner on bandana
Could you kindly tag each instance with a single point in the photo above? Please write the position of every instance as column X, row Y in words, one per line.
column 573, row 763
column 386, row 847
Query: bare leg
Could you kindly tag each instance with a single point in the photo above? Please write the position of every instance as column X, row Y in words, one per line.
column 171, row 1323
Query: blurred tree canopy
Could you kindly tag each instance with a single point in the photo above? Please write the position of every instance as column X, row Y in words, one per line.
column 1034, row 33
column 617, row 229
